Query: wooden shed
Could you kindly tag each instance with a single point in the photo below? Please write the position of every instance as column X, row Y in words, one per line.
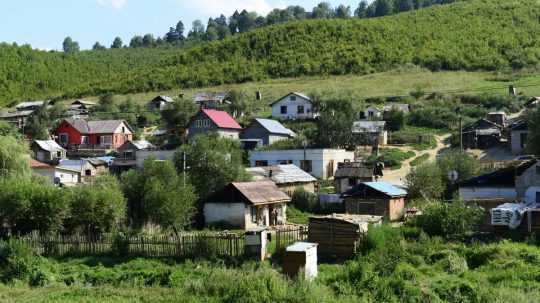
column 376, row 198
column 340, row 235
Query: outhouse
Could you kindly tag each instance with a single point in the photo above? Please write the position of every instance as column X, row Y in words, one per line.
column 255, row 243
column 301, row 256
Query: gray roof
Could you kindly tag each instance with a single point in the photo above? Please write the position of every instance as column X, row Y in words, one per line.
column 275, row 127
column 301, row 95
column 49, row 145
column 73, row 165
column 368, row 126
column 164, row 98
column 96, row 127
column 29, row 104
column 281, row 174
column 143, row 144
column 202, row 97
column 354, row 171
column 23, row 113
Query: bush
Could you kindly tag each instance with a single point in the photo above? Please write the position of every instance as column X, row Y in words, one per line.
column 391, row 157
column 19, row 262
column 451, row 221
column 309, row 202
column 425, row 181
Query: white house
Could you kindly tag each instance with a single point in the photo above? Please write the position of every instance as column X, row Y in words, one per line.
column 293, row 106
column 321, row 163
column 374, row 112
column 519, row 133
column 247, row 205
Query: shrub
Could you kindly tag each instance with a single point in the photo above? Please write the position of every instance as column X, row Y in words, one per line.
column 425, row 181
column 19, row 262
column 451, row 221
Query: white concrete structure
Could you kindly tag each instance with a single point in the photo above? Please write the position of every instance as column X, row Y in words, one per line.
column 67, row 177
column 235, row 214
column 320, row 163
column 293, row 106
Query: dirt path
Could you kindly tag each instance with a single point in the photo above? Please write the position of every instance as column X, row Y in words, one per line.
column 398, row 176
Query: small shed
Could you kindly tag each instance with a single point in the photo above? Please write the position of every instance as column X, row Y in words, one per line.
column 482, row 134
column 376, row 198
column 350, row 174
column 301, row 256
column 339, row 235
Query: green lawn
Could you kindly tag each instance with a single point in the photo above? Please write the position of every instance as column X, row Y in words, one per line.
column 397, row 82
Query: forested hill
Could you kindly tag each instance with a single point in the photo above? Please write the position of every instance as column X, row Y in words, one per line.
column 471, row 35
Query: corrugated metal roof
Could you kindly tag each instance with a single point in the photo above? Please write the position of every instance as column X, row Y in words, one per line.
column 387, row 188
column 282, row 174
column 261, row 192
column 96, row 127
column 29, row 104
column 275, row 127
column 34, row 164
column 22, row 113
column 361, row 172
column 142, row 144
column 203, row 97
column 301, row 246
column 221, row 119
column 49, row 145
column 368, row 126
column 72, row 165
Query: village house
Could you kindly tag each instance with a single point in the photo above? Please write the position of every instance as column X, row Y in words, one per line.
column 18, row 118
column 160, row 103
column 214, row 121
column 72, row 172
column 127, row 155
column 294, row 106
column 498, row 118
column 508, row 184
column 93, row 137
column 47, row 151
column 374, row 112
column 350, row 174
column 288, row 178
column 482, row 134
column 247, row 205
column 42, row 169
column 80, row 109
column 320, row 163
column 29, row 106
column 519, row 135
column 370, row 132
column 377, row 199
column 210, row 100
column 262, row 132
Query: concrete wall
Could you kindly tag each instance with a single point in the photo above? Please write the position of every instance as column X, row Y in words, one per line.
column 67, row 177
column 485, row 193
column 320, row 159
column 292, row 108
column 234, row 214
column 515, row 141
column 142, row 155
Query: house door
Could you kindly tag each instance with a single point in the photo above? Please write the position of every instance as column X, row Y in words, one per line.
column 330, row 169
column 64, row 139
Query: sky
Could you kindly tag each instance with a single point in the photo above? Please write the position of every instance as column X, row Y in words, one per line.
column 45, row 23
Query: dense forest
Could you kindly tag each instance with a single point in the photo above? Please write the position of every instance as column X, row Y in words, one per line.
column 471, row 35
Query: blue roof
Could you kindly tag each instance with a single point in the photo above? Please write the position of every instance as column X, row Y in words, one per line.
column 387, row 188
column 275, row 127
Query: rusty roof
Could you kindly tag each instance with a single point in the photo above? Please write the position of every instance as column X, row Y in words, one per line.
column 261, row 192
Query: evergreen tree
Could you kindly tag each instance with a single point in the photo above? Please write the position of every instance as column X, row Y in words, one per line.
column 70, row 46
column 343, row 12
column 404, row 5
column 98, row 46
column 323, row 11
column 361, row 11
column 136, row 41
column 148, row 40
column 117, row 43
column 383, row 7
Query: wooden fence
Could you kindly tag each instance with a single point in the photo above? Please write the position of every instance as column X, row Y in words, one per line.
column 287, row 236
column 182, row 246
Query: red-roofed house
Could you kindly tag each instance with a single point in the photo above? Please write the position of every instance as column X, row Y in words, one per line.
column 100, row 135
column 211, row 120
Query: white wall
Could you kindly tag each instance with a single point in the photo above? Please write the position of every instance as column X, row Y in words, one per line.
column 479, row 193
column 232, row 213
column 292, row 108
column 67, row 177
column 320, row 158
column 231, row 134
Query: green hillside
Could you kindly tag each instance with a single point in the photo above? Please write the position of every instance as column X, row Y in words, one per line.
column 472, row 35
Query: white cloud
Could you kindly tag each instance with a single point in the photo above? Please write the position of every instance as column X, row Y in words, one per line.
column 116, row 4
column 227, row 7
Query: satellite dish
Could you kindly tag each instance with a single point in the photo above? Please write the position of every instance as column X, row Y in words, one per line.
column 453, row 175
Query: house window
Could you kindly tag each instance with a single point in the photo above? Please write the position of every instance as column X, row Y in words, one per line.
column 330, row 169
column 64, row 138
column 293, row 98
column 253, row 214
column 84, row 140
column 285, row 162
column 371, row 114
column 88, row 173
column 283, row 110
column 306, row 165
column 261, row 163
column 106, row 139
column 300, row 109
column 58, row 154
column 123, row 130
column 523, row 140
column 538, row 197
column 352, row 182
column 128, row 154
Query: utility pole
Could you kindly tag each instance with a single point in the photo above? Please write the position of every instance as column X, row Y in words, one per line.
column 184, row 167
column 458, row 111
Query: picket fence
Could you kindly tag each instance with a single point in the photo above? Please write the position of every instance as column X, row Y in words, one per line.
column 286, row 237
column 200, row 244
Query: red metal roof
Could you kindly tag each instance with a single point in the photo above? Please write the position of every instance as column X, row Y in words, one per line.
column 221, row 119
column 34, row 164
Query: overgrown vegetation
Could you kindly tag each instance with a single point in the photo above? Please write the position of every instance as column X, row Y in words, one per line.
column 461, row 36
column 391, row 157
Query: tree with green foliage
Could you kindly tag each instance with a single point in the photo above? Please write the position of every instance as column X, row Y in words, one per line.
column 32, row 205
column 466, row 166
column 212, row 162
column 395, row 119
column 180, row 29
column 178, row 114
column 136, row 41
column 239, row 105
column 383, row 7
column 197, row 30
column 158, row 194
column 14, row 156
column 148, row 40
column 8, row 129
column 117, row 43
column 334, row 126
column 69, row 46
column 361, row 11
column 97, row 207
column 425, row 182
column 343, row 12
column 322, row 11
column 42, row 120
column 98, row 46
